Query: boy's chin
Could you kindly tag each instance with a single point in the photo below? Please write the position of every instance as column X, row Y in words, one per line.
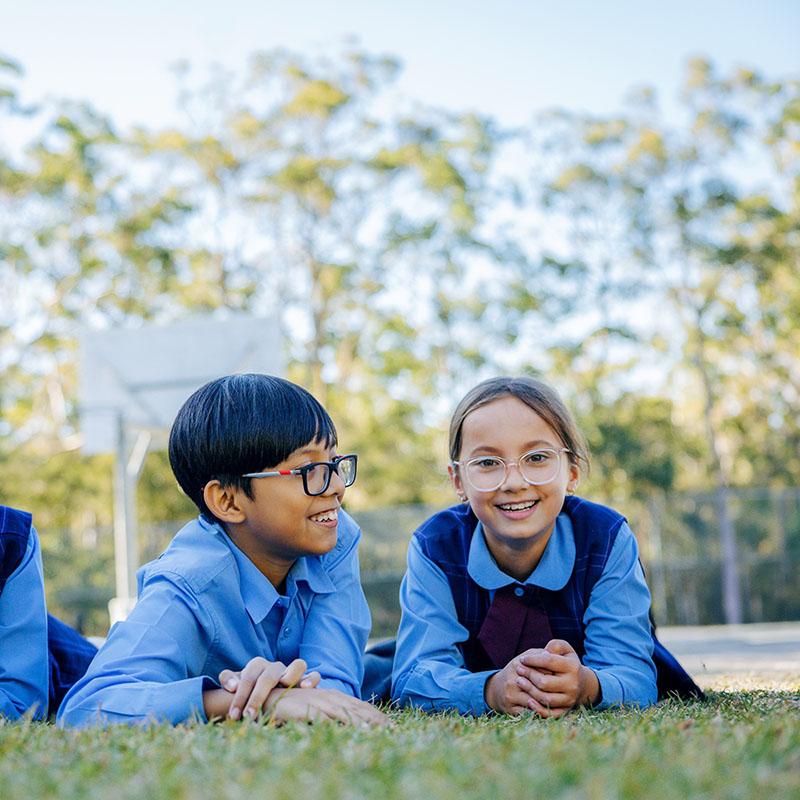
column 324, row 543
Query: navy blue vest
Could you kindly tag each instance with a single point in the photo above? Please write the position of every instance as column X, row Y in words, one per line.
column 15, row 528
column 445, row 539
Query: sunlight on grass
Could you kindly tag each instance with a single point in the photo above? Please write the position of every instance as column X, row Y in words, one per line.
column 738, row 744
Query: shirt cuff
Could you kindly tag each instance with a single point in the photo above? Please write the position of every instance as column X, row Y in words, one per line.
column 175, row 703
column 467, row 693
column 478, row 700
column 611, row 692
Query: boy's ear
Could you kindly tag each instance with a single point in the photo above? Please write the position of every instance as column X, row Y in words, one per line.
column 457, row 485
column 222, row 502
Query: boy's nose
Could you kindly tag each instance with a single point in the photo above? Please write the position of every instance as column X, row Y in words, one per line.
column 336, row 484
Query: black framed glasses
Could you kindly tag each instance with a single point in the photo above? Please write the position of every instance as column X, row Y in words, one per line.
column 317, row 475
column 488, row 473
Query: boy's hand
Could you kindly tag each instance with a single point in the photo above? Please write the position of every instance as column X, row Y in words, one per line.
column 314, row 705
column 252, row 685
column 554, row 679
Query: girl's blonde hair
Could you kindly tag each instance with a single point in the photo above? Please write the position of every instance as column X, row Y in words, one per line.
column 539, row 397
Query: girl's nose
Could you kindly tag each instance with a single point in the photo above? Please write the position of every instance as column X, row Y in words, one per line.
column 513, row 479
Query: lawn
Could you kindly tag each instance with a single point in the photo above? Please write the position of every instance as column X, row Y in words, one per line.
column 743, row 744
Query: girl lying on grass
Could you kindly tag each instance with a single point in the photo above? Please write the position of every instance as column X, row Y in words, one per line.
column 525, row 598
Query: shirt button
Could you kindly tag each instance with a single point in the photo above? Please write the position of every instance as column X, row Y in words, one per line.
column 519, row 591
column 286, row 631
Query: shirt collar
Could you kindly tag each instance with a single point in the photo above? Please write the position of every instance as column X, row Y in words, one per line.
column 311, row 571
column 259, row 594
column 552, row 572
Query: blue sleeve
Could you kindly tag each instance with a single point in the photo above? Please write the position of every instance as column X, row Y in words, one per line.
column 151, row 667
column 338, row 623
column 24, row 666
column 619, row 645
column 429, row 670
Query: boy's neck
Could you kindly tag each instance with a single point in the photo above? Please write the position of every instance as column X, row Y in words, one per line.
column 273, row 567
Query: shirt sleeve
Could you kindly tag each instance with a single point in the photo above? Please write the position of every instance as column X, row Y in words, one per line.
column 338, row 623
column 24, row 666
column 151, row 667
column 619, row 644
column 429, row 670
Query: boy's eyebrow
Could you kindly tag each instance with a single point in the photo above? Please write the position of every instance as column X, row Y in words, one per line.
column 310, row 450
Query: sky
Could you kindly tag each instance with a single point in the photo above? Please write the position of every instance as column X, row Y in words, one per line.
column 508, row 59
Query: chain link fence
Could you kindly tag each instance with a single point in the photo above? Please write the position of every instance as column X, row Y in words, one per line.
column 678, row 538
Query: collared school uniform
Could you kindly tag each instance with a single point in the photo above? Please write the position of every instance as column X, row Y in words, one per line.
column 592, row 586
column 24, row 671
column 204, row 607
column 36, row 649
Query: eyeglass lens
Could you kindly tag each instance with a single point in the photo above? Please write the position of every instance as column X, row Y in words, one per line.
column 537, row 467
column 319, row 476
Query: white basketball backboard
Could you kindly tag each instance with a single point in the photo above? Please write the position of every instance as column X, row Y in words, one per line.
column 144, row 375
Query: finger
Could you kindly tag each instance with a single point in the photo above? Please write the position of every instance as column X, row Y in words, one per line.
column 229, row 680
column 286, row 704
column 542, row 660
column 247, row 680
column 540, row 709
column 310, row 680
column 548, row 699
column 365, row 712
column 546, row 681
column 294, row 673
column 268, row 680
column 351, row 711
column 560, row 647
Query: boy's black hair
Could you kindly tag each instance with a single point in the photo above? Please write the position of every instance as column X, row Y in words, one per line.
column 242, row 423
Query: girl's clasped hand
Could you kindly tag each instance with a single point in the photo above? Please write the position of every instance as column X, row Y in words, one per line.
column 548, row 681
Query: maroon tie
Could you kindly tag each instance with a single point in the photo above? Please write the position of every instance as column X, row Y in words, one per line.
column 516, row 622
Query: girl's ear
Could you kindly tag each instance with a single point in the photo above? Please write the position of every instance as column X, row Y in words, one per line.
column 223, row 502
column 574, row 478
column 457, row 485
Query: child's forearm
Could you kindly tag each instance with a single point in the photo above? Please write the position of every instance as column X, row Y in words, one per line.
column 216, row 703
column 590, row 693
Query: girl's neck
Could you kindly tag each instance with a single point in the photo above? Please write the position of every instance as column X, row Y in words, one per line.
column 518, row 558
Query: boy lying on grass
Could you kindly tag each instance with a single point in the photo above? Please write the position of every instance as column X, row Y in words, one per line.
column 255, row 607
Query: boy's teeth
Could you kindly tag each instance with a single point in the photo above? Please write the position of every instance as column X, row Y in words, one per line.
column 325, row 516
column 517, row 506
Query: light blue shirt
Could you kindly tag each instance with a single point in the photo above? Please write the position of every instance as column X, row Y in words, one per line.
column 24, row 665
column 204, row 607
column 429, row 670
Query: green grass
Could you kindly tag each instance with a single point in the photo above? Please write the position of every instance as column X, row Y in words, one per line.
column 736, row 745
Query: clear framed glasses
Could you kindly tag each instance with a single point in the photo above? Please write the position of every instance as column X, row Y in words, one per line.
column 317, row 475
column 487, row 473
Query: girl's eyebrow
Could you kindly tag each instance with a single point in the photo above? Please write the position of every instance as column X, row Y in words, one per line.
column 527, row 447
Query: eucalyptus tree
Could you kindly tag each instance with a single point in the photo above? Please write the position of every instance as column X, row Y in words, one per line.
column 697, row 214
column 322, row 197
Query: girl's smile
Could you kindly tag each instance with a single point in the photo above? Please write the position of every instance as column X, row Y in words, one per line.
column 517, row 517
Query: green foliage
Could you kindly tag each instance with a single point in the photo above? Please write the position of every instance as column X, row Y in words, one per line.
column 648, row 267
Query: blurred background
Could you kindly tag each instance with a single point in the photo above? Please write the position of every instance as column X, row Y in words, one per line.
column 422, row 195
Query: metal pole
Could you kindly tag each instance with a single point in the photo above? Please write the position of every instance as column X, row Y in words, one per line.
column 121, row 514
column 126, row 539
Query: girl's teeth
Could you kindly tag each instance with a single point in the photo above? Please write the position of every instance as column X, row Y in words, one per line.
column 517, row 506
